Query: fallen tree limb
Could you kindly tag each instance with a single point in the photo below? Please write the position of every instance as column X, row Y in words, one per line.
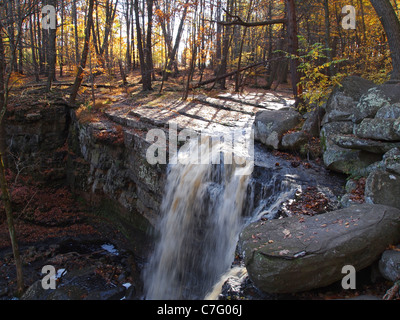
column 238, row 21
column 68, row 84
column 226, row 75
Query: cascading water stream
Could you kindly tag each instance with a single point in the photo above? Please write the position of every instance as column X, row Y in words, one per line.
column 201, row 219
column 205, row 206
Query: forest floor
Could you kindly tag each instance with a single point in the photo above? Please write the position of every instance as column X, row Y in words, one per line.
column 50, row 219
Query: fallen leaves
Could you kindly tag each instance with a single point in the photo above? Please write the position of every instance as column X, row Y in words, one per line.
column 310, row 202
column 42, row 212
column 357, row 195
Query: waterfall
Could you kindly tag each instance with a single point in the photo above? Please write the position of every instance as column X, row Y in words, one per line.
column 201, row 217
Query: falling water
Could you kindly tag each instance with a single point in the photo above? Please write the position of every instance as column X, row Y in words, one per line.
column 201, row 219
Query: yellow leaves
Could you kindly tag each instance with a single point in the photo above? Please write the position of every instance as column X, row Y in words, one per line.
column 17, row 79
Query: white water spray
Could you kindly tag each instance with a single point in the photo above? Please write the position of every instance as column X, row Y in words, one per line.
column 201, row 220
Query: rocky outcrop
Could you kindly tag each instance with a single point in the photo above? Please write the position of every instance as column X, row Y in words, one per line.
column 270, row 125
column 338, row 120
column 297, row 254
column 389, row 264
column 360, row 133
column 344, row 98
column 109, row 164
column 35, row 134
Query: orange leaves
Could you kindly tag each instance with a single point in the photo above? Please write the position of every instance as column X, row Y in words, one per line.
column 357, row 195
column 310, row 203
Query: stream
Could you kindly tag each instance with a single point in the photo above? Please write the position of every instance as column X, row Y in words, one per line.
column 206, row 205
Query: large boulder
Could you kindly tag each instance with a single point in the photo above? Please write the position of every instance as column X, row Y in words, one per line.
column 369, row 104
column 389, row 112
column 389, row 264
column 312, row 125
column 298, row 254
column 391, row 160
column 344, row 99
column 377, row 129
column 340, row 158
column 383, row 187
column 270, row 125
column 356, row 134
column 373, row 146
column 294, row 140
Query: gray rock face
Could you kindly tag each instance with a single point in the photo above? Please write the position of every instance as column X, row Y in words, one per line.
column 344, row 98
column 369, row 104
column 119, row 173
column 383, row 187
column 373, row 146
column 353, row 133
column 292, row 255
column 389, row 265
column 391, row 160
column 294, row 140
column 76, row 285
column 377, row 129
column 389, row 112
column 270, row 125
column 312, row 125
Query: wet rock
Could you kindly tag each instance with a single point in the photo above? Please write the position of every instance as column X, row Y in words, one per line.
column 270, row 125
column 79, row 284
column 294, row 140
column 292, row 255
column 389, row 265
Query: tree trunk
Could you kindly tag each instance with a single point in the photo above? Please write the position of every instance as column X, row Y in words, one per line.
column 237, row 78
column 5, row 195
column 34, row 61
column 148, row 49
column 391, row 24
column 79, row 75
column 144, row 67
column 51, row 52
column 293, row 47
column 75, row 19
column 172, row 54
column 61, row 59
column 225, row 46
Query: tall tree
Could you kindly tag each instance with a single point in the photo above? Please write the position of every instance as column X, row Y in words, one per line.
column 85, row 52
column 172, row 53
column 391, row 25
column 51, row 51
column 144, row 45
column 5, row 195
column 293, row 47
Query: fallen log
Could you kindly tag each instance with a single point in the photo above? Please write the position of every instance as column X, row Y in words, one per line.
column 67, row 84
column 226, row 75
